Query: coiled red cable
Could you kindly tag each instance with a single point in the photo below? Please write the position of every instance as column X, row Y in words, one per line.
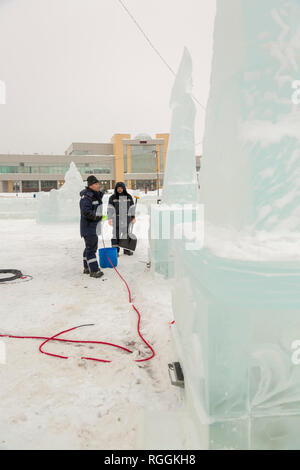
column 55, row 337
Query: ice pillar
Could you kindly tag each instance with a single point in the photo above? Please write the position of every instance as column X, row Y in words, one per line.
column 251, row 158
column 180, row 179
column 180, row 189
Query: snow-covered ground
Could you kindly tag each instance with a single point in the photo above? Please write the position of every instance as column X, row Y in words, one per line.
column 50, row 403
column 17, row 195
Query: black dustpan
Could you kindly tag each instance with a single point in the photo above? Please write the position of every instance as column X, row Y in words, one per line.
column 130, row 242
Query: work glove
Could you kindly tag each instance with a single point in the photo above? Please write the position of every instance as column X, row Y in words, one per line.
column 98, row 218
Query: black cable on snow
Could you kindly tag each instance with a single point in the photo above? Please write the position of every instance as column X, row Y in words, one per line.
column 16, row 274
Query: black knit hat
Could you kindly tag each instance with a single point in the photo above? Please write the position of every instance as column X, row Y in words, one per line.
column 92, row 180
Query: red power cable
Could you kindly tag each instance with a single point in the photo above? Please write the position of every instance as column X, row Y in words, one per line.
column 55, row 337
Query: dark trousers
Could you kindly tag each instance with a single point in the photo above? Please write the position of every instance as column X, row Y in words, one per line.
column 90, row 253
column 119, row 232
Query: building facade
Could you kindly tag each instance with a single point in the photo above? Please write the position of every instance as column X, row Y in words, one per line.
column 139, row 162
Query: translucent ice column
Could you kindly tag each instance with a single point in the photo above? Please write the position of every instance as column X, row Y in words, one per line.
column 237, row 301
column 251, row 147
column 180, row 179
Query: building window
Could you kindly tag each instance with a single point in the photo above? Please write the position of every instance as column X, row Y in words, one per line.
column 52, row 170
column 80, row 152
column 91, row 170
column 48, row 185
column 144, row 185
column 87, row 169
column 142, row 159
column 16, row 186
column 30, row 186
column 8, row 169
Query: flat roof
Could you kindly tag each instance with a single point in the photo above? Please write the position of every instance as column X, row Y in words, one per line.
column 143, row 142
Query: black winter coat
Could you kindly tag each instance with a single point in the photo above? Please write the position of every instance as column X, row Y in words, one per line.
column 121, row 208
column 91, row 211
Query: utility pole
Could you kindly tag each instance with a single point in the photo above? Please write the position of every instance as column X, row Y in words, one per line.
column 157, row 170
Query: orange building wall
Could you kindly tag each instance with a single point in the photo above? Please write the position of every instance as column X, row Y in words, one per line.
column 117, row 141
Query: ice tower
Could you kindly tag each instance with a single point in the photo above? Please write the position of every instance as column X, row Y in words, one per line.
column 180, row 180
column 237, row 301
column 252, row 137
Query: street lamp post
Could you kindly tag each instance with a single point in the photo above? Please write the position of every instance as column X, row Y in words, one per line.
column 157, row 170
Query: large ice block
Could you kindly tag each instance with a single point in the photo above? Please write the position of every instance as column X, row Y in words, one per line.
column 180, row 180
column 236, row 322
column 237, row 301
column 12, row 207
column 251, row 163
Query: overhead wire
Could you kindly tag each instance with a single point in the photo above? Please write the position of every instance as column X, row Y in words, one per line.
column 142, row 31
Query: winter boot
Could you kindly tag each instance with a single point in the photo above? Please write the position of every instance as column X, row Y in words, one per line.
column 128, row 252
column 97, row 274
column 86, row 271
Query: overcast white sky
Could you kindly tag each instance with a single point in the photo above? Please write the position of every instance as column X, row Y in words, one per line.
column 79, row 70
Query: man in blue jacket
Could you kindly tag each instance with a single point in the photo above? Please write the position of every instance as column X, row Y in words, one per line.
column 91, row 215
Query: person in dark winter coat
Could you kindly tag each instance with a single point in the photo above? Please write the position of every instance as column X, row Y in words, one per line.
column 91, row 215
column 120, row 214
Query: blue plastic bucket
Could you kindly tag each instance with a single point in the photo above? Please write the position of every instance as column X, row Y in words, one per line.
column 104, row 254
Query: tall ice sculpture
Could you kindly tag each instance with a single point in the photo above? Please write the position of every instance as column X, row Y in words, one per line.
column 237, row 300
column 180, row 190
column 180, row 180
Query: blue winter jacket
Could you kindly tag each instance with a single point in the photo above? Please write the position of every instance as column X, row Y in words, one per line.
column 91, row 211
